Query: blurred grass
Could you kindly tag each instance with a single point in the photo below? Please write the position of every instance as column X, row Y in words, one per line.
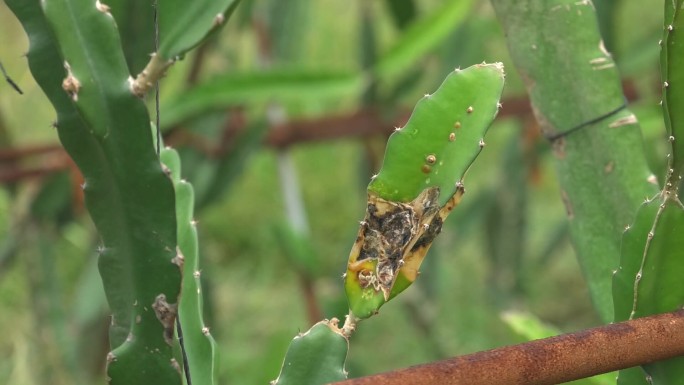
column 256, row 302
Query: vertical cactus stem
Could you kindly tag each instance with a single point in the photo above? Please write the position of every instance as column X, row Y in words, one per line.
column 155, row 70
column 571, row 79
column 648, row 280
column 198, row 344
column 672, row 49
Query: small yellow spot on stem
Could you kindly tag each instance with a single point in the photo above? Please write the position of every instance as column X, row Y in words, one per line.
column 469, row 110
column 431, row 159
column 452, row 137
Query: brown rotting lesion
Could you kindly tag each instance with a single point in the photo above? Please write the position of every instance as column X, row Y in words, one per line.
column 390, row 232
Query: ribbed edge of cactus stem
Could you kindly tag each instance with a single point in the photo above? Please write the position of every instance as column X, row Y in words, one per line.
column 154, row 70
column 349, row 326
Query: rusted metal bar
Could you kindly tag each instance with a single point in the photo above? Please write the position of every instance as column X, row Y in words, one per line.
column 364, row 122
column 552, row 360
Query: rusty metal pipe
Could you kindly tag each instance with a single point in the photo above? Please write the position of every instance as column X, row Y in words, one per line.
column 552, row 360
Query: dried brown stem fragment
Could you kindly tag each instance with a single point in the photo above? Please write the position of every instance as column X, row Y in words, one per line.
column 552, row 360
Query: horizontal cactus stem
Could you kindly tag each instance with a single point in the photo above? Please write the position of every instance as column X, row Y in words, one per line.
column 155, row 70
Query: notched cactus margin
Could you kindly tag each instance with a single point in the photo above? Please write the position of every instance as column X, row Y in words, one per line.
column 106, row 131
column 315, row 357
column 672, row 73
column 199, row 345
column 649, row 279
column 182, row 26
column 419, row 184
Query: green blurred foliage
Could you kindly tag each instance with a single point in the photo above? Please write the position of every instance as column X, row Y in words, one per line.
column 52, row 307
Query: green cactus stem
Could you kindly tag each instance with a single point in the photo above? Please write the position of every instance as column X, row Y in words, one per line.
column 77, row 60
column 182, row 26
column 316, row 357
column 649, row 279
column 672, row 73
column 199, row 345
column 571, row 80
column 75, row 56
column 420, row 182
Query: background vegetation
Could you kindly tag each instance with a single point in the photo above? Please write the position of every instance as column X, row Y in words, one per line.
column 504, row 249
